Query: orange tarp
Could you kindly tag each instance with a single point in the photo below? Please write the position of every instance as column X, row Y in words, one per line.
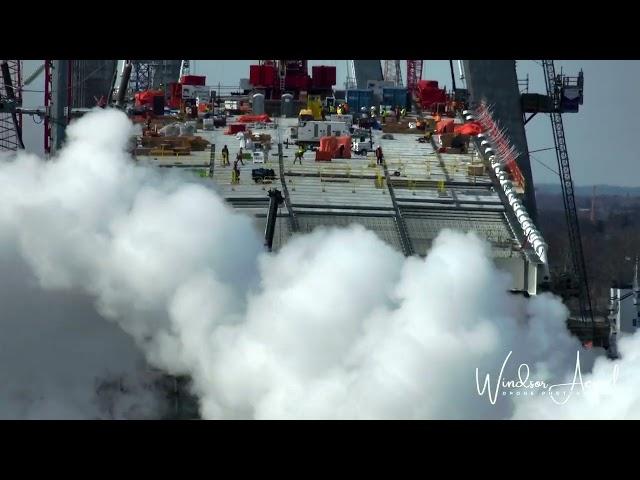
column 472, row 128
column 332, row 145
column 444, row 126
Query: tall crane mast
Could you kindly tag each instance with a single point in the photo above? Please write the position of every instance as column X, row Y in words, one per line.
column 414, row 75
column 11, row 120
column 554, row 87
column 392, row 72
column 398, row 74
column 388, row 70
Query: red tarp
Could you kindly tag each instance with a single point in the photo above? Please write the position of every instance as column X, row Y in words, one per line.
column 323, row 156
column 328, row 144
column 235, row 128
column 175, row 95
column 331, row 146
column 346, row 141
column 254, row 118
column 444, row 126
column 472, row 128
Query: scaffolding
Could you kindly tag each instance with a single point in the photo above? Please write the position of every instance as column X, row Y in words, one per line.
column 9, row 139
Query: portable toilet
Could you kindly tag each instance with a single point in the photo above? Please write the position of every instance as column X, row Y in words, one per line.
column 258, row 104
column 286, row 107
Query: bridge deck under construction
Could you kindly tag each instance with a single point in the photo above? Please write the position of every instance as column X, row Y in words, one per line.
column 420, row 193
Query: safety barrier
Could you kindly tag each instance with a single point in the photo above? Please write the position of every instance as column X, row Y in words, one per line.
column 502, row 154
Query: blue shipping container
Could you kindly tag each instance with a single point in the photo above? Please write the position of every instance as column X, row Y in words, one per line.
column 394, row 96
column 358, row 99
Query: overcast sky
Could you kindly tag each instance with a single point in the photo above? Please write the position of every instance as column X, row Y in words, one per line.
column 600, row 138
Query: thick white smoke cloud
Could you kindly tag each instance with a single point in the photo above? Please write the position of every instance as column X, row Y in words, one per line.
column 60, row 360
column 336, row 325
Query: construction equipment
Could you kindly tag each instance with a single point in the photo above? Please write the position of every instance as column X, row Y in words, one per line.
column 313, row 110
column 275, row 77
column 364, row 71
column 311, row 132
column 275, row 200
column 362, row 146
column 259, row 175
column 314, row 104
column 11, row 140
column 554, row 86
column 414, row 75
column 305, row 115
column 124, row 82
column 392, row 72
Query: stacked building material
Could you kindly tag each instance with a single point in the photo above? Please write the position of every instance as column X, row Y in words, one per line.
column 171, row 145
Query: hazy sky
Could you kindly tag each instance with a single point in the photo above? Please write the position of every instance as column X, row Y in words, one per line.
column 600, row 138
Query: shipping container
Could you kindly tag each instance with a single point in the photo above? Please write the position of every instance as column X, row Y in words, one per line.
column 394, row 96
column 357, row 99
column 255, row 75
column 297, row 81
column 193, row 80
column 269, row 75
column 263, row 75
column 330, row 76
column 323, row 76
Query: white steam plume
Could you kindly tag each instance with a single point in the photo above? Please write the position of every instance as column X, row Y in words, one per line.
column 335, row 325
